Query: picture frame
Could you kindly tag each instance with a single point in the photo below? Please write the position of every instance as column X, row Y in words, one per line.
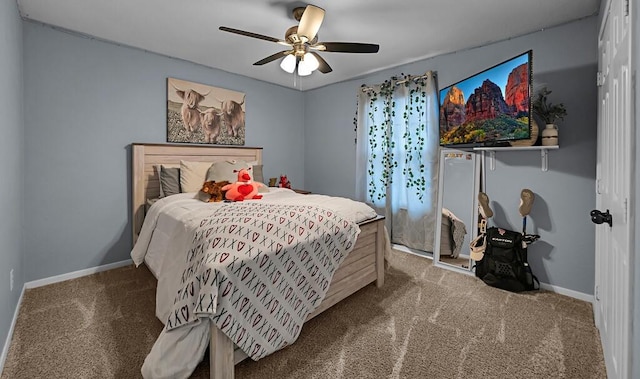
column 203, row 114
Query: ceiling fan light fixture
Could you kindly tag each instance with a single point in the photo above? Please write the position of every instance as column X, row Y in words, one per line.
column 288, row 63
column 303, row 70
column 310, row 62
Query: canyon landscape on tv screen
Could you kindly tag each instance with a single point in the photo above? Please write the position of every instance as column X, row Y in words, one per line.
column 488, row 108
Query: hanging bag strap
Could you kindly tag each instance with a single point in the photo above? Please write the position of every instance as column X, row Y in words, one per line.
column 479, row 244
column 535, row 279
column 483, row 226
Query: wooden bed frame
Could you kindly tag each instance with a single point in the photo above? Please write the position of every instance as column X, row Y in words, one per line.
column 364, row 265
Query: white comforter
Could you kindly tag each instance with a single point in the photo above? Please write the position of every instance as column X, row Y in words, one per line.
column 167, row 214
column 164, row 238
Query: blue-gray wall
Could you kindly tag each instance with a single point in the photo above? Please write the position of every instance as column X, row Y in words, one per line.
column 565, row 58
column 85, row 102
column 11, row 171
column 88, row 99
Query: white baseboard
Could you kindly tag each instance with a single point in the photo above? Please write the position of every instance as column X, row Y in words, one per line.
column 51, row 280
column 405, row 249
column 7, row 342
column 76, row 274
column 567, row 292
column 545, row 286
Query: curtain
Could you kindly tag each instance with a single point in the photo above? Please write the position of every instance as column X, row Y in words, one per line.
column 397, row 156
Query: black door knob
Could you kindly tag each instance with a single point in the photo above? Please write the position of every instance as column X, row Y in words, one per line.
column 598, row 217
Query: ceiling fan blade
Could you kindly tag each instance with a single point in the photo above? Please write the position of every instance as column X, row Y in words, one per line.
column 310, row 22
column 347, row 47
column 323, row 65
column 253, row 35
column 273, row 57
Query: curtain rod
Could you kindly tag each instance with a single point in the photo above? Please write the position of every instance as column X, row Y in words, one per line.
column 409, row 77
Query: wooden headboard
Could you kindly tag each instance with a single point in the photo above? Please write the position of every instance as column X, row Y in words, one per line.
column 145, row 183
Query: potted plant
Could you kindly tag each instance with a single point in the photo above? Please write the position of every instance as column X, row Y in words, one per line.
column 549, row 113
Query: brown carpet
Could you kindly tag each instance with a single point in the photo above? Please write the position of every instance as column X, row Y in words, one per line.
column 425, row 322
column 458, row 262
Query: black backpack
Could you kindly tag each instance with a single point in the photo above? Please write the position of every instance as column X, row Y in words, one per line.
column 504, row 264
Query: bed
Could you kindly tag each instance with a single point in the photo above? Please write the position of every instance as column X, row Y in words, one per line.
column 361, row 267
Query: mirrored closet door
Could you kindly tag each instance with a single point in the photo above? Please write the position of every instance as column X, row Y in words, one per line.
column 459, row 184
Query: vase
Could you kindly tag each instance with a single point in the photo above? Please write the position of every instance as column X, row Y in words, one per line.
column 550, row 135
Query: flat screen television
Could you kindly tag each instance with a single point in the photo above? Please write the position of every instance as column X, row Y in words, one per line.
column 489, row 108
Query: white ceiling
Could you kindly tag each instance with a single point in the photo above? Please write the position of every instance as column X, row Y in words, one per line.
column 406, row 30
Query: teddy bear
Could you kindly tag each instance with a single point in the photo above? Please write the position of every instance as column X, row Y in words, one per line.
column 214, row 189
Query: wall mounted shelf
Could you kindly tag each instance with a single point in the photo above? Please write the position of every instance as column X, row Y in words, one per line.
column 544, row 153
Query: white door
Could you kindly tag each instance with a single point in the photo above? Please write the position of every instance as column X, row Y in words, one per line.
column 612, row 306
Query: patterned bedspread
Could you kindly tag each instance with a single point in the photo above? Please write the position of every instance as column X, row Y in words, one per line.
column 258, row 269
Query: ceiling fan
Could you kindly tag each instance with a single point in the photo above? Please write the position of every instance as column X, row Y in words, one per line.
column 303, row 41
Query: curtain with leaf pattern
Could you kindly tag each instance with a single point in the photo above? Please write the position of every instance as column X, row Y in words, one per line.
column 397, row 156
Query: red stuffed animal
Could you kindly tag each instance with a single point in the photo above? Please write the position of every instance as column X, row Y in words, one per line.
column 244, row 188
column 284, row 182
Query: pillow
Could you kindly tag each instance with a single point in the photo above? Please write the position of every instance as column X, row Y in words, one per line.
column 256, row 173
column 192, row 175
column 148, row 205
column 158, row 170
column 223, row 170
column 259, row 177
column 169, row 181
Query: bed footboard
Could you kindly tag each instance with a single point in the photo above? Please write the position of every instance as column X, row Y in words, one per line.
column 364, row 265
